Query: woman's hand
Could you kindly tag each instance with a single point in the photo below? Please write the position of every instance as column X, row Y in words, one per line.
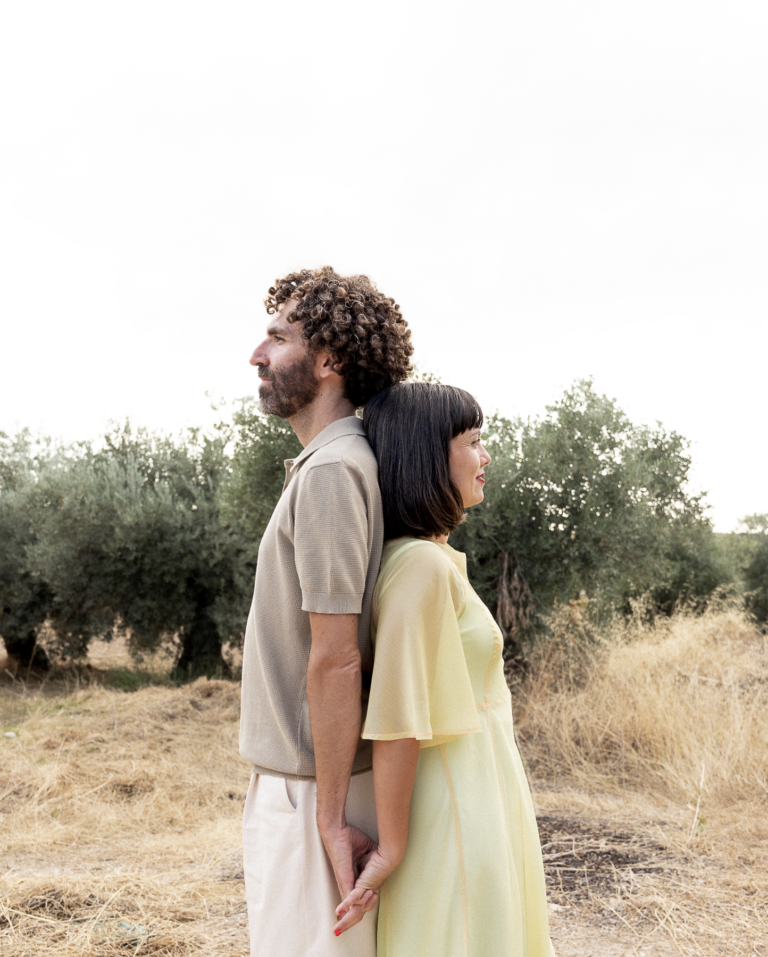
column 362, row 898
column 394, row 770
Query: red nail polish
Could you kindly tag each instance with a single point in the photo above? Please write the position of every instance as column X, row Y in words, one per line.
column 337, row 932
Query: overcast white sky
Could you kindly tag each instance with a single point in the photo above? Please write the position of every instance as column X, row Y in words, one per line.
column 551, row 190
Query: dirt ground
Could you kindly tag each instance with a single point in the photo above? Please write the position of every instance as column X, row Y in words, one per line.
column 120, row 834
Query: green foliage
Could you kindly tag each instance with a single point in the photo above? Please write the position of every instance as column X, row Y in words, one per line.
column 756, row 572
column 582, row 500
column 130, row 679
column 158, row 536
column 745, row 555
column 756, row 581
column 145, row 534
column 262, row 444
column 423, row 375
column 695, row 564
column 24, row 597
column 129, row 536
column 734, row 551
column 756, row 524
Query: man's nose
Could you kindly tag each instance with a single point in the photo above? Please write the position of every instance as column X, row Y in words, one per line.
column 259, row 356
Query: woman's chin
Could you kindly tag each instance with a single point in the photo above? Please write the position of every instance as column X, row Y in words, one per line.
column 479, row 496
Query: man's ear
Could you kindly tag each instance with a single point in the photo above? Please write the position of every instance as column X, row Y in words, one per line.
column 328, row 364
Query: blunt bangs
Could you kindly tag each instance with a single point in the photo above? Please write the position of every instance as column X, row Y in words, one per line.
column 410, row 426
column 463, row 411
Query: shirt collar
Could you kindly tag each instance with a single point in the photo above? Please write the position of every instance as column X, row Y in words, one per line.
column 349, row 425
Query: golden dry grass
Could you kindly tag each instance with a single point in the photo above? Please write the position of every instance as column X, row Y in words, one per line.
column 677, row 707
column 120, row 812
column 121, row 820
column 656, row 738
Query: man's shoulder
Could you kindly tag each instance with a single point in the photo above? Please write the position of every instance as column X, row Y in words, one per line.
column 351, row 450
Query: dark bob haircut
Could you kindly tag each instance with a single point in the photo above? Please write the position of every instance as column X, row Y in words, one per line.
column 410, row 426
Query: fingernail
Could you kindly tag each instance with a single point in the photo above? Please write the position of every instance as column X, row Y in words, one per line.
column 337, row 932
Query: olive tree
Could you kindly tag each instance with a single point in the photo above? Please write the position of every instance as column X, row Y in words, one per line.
column 579, row 501
column 130, row 537
column 24, row 597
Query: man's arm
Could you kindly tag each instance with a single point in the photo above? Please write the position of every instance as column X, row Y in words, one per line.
column 333, row 692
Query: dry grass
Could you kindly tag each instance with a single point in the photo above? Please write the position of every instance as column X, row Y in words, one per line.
column 121, row 822
column 677, row 707
column 120, row 812
column 656, row 738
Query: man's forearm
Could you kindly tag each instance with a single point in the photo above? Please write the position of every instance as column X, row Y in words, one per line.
column 333, row 693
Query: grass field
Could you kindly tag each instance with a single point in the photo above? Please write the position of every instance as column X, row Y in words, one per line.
column 120, row 809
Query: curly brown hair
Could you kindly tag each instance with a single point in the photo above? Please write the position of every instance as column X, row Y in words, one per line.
column 348, row 317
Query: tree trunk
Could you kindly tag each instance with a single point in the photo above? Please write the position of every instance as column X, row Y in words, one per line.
column 201, row 648
column 515, row 612
column 26, row 652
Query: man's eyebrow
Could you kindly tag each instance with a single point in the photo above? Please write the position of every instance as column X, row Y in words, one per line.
column 278, row 331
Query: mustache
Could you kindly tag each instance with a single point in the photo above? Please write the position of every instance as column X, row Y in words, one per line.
column 263, row 372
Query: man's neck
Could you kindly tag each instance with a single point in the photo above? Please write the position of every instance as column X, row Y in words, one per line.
column 326, row 407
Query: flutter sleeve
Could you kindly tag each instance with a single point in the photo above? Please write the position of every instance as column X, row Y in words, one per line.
column 420, row 686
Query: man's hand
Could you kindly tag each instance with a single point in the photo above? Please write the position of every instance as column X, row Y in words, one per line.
column 348, row 849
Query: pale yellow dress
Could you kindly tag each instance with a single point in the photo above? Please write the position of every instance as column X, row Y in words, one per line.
column 471, row 883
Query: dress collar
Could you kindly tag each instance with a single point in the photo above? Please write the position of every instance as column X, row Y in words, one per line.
column 459, row 559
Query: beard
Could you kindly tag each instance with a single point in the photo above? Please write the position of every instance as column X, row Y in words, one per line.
column 287, row 392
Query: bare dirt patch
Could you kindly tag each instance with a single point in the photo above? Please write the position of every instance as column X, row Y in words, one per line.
column 625, row 877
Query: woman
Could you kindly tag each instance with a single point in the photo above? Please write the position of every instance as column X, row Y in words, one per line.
column 458, row 864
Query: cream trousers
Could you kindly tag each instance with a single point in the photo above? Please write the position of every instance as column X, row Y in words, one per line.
column 289, row 884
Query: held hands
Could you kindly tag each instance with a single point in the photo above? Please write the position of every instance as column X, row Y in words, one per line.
column 394, row 771
column 362, row 898
column 348, row 849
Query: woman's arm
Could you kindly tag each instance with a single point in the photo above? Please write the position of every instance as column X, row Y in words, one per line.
column 394, row 770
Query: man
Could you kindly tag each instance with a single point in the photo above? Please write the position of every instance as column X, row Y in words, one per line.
column 332, row 342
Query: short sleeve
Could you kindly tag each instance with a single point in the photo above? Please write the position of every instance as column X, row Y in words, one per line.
column 420, row 686
column 331, row 539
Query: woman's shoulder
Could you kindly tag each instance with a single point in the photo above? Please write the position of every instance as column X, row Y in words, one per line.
column 409, row 551
column 418, row 564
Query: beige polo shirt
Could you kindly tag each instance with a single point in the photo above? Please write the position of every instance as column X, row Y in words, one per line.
column 320, row 552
